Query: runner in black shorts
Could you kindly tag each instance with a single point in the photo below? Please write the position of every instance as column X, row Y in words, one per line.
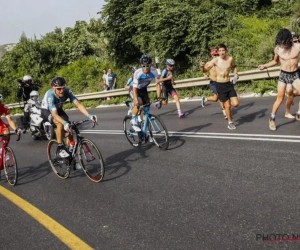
column 167, row 80
column 225, row 91
column 212, row 84
column 223, row 64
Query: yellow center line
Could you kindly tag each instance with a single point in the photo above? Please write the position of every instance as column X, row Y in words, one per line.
column 70, row 239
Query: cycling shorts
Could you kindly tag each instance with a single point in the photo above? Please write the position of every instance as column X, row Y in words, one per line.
column 168, row 90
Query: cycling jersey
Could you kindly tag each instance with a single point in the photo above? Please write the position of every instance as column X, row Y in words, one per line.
column 4, row 110
column 130, row 81
column 52, row 102
column 166, row 73
column 141, row 80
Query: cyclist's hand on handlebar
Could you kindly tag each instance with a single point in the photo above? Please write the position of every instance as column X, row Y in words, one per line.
column 67, row 126
column 18, row 133
column 261, row 67
column 93, row 118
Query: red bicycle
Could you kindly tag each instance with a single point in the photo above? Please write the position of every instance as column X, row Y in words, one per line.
column 8, row 161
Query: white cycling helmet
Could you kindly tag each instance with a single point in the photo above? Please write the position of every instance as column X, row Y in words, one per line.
column 27, row 78
column 170, row 62
column 34, row 95
column 1, row 98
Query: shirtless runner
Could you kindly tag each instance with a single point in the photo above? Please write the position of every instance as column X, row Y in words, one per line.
column 212, row 84
column 223, row 63
column 287, row 53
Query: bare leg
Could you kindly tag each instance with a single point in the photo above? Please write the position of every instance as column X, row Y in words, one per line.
column 280, row 96
column 289, row 100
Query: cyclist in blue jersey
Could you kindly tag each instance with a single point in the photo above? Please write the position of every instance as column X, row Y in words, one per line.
column 167, row 80
column 129, row 83
column 141, row 79
column 52, row 111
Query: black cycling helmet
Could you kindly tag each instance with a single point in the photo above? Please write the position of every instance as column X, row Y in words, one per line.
column 145, row 60
column 58, row 82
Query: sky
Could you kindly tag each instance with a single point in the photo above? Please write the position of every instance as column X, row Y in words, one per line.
column 38, row 17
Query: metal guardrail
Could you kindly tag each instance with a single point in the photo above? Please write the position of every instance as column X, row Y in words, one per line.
column 191, row 82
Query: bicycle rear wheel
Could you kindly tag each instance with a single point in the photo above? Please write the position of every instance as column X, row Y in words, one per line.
column 158, row 132
column 133, row 137
column 10, row 166
column 60, row 166
column 91, row 160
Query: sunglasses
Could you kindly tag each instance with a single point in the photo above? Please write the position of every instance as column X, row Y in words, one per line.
column 146, row 66
column 296, row 41
column 60, row 89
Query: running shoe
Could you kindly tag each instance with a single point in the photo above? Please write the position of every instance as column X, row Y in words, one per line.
column 289, row 116
column 203, row 100
column 272, row 124
column 231, row 126
column 181, row 115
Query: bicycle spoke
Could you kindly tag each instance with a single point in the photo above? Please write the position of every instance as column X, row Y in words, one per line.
column 91, row 160
column 133, row 137
column 60, row 166
column 10, row 166
column 158, row 132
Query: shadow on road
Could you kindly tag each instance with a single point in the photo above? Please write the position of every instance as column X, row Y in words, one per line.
column 250, row 117
column 33, row 173
column 119, row 164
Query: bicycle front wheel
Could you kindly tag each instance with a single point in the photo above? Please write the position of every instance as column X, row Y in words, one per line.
column 91, row 160
column 60, row 166
column 133, row 137
column 10, row 166
column 158, row 132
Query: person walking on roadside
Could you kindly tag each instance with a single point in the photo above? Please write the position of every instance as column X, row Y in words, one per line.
column 212, row 84
column 287, row 53
column 225, row 88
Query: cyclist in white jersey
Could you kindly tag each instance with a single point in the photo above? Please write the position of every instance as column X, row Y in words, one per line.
column 52, row 111
column 141, row 79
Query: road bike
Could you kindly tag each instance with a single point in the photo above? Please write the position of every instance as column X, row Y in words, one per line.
column 8, row 161
column 152, row 128
column 85, row 153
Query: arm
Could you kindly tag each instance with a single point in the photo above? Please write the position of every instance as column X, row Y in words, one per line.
column 206, row 67
column 234, row 67
column 272, row 63
column 81, row 108
column 11, row 123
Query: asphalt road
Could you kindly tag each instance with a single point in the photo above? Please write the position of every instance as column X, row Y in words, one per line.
column 213, row 189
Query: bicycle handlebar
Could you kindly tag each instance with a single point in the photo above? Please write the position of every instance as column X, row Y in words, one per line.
column 148, row 104
column 83, row 121
column 18, row 135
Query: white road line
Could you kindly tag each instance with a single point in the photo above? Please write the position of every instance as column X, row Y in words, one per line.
column 250, row 137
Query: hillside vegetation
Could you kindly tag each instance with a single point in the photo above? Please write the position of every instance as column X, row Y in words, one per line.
column 185, row 30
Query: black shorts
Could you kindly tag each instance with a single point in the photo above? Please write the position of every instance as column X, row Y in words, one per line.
column 47, row 116
column 167, row 89
column 212, row 86
column 143, row 95
column 288, row 77
column 225, row 91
